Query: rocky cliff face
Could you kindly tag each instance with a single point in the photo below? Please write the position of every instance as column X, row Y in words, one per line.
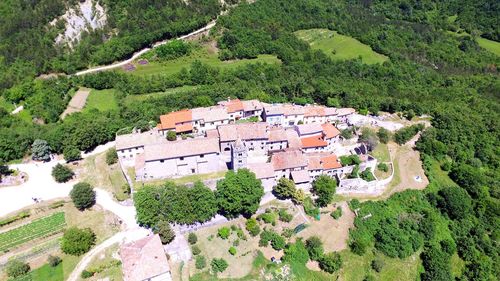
column 87, row 15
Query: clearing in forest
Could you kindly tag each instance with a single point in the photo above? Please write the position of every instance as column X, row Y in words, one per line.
column 339, row 47
column 202, row 54
column 102, row 100
column 77, row 102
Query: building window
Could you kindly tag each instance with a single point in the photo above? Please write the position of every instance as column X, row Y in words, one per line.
column 227, row 149
column 201, row 155
column 182, row 158
column 162, row 161
column 239, row 161
column 193, row 171
column 130, row 150
column 240, row 154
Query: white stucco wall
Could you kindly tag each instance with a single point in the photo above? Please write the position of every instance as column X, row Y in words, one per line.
column 189, row 165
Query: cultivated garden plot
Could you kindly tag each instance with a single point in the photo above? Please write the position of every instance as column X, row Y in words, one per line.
column 40, row 228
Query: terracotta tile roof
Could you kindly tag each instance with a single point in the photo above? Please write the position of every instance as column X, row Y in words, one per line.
column 143, row 259
column 293, row 139
column 330, row 111
column 313, row 141
column 244, row 131
column 181, row 148
column 345, row 111
column 288, row 160
column 314, row 162
column 262, row 170
column 292, row 109
column 330, row 131
column 184, row 127
column 251, row 105
column 277, row 134
column 137, row 139
column 314, row 110
column 210, row 114
column 300, row 176
column 234, row 106
column 170, row 120
column 308, row 129
column 212, row 133
column 330, row 162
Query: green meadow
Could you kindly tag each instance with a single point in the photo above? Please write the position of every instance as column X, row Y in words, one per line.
column 339, row 47
column 202, row 54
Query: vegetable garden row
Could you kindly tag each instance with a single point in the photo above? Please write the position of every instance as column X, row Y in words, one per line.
column 40, row 228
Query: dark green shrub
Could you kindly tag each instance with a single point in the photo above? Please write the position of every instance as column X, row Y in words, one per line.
column 62, row 173
column 383, row 167
column 192, row 238
column 16, row 268
column 218, row 265
column 337, row 213
column 86, row 274
column 314, row 247
column 377, row 264
column 196, row 250
column 171, row 136
column 200, row 262
column 111, row 156
column 330, row 262
column 253, row 227
column 367, row 175
column 166, row 233
column 284, row 216
column 278, row 242
column 232, row 250
column 76, row 241
column 54, row 261
column 83, row 195
column 71, row 153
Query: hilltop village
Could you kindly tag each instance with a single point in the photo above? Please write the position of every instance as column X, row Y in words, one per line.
column 271, row 140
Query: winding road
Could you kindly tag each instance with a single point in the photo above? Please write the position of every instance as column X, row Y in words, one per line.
column 143, row 51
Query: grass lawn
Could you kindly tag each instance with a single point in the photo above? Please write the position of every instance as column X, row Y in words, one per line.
column 182, row 180
column 201, row 54
column 438, row 178
column 339, row 47
column 489, row 45
column 102, row 100
column 381, row 152
column 134, row 98
column 355, row 268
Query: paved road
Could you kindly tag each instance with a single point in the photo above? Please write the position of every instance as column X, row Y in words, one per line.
column 141, row 52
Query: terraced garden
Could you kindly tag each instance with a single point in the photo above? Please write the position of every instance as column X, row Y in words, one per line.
column 40, row 228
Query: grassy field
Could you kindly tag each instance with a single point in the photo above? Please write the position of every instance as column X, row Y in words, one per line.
column 340, row 47
column 489, row 45
column 40, row 228
column 201, row 54
column 381, row 152
column 102, row 100
column 134, row 98
column 355, row 268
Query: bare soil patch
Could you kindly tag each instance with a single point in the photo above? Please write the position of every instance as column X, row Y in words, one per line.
column 77, row 102
column 333, row 233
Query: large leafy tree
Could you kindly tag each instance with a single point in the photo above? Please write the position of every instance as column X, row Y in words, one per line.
column 285, row 188
column 76, row 241
column 239, row 193
column 40, row 150
column 324, row 187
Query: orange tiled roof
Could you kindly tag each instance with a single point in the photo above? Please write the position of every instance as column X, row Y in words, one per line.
column 234, row 106
column 313, row 142
column 330, row 162
column 330, row 131
column 314, row 110
column 173, row 119
column 288, row 160
column 184, row 127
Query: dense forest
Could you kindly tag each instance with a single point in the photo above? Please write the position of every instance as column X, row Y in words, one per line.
column 28, row 48
column 430, row 71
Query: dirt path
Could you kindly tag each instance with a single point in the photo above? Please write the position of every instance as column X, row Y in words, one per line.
column 143, row 51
